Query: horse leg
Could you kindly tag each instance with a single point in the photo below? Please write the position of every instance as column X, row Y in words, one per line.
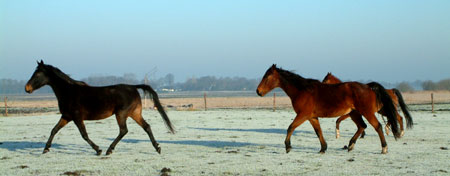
column 357, row 118
column 316, row 125
column 338, row 122
column 386, row 128
column 378, row 127
column 123, row 130
column 297, row 122
column 61, row 123
column 139, row 120
column 386, row 124
column 400, row 123
column 82, row 129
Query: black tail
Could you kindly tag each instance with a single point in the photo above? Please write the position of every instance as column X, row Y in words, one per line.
column 401, row 102
column 154, row 96
column 388, row 106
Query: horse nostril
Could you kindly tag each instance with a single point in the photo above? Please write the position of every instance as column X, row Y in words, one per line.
column 257, row 92
column 28, row 88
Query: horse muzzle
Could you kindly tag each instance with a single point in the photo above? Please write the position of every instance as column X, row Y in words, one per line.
column 28, row 88
column 257, row 92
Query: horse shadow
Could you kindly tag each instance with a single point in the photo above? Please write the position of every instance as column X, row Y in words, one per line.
column 206, row 143
column 225, row 144
column 218, row 144
column 132, row 141
column 258, row 130
column 24, row 145
column 310, row 133
column 211, row 143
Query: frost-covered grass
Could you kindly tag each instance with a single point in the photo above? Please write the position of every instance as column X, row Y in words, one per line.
column 222, row 142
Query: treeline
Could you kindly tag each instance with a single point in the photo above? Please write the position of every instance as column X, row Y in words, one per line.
column 166, row 83
column 211, row 83
column 205, row 83
column 440, row 85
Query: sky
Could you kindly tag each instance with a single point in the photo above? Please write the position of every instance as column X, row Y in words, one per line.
column 389, row 41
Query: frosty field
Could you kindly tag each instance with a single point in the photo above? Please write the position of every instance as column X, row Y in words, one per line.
column 222, row 142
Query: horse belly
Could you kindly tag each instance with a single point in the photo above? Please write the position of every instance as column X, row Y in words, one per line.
column 334, row 112
column 342, row 112
column 99, row 115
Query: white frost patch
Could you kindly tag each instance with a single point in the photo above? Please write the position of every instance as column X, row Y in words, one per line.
column 222, row 142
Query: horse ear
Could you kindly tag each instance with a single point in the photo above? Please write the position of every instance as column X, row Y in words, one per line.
column 274, row 66
column 42, row 62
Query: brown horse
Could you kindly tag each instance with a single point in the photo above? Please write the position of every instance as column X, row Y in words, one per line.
column 312, row 99
column 396, row 97
column 78, row 101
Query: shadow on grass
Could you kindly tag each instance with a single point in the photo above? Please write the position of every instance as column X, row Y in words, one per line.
column 133, row 141
column 214, row 144
column 282, row 131
column 258, row 130
column 24, row 145
column 217, row 144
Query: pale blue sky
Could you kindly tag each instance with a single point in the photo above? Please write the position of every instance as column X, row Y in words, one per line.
column 357, row 40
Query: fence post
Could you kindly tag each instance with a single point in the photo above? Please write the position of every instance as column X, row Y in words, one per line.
column 6, row 106
column 432, row 103
column 204, row 97
column 274, row 105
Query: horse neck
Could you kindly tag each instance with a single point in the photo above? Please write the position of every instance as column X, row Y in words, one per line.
column 291, row 90
column 59, row 85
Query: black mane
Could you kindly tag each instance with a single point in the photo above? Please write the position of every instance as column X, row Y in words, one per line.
column 298, row 81
column 57, row 72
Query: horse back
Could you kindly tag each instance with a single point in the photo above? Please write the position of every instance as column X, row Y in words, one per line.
column 331, row 100
column 94, row 103
column 323, row 100
column 365, row 99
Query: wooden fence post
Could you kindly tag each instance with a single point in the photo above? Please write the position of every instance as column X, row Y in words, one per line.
column 432, row 103
column 204, row 97
column 274, row 105
column 6, row 106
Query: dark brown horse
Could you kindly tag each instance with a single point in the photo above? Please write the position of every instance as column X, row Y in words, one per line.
column 396, row 97
column 78, row 101
column 312, row 99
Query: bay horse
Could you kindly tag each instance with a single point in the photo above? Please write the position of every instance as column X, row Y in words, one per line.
column 396, row 97
column 312, row 99
column 77, row 101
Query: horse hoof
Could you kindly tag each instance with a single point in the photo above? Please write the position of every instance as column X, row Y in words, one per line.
column 45, row 151
column 158, row 150
column 99, row 152
column 350, row 147
column 108, row 152
column 322, row 152
column 384, row 150
column 288, row 149
column 402, row 133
